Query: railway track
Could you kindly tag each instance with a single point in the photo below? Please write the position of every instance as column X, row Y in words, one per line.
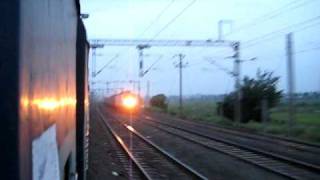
column 292, row 143
column 303, row 153
column 287, row 167
column 152, row 161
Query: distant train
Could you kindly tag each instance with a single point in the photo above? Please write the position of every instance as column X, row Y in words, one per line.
column 125, row 102
column 44, row 90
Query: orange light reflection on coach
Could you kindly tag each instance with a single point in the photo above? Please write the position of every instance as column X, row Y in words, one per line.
column 50, row 103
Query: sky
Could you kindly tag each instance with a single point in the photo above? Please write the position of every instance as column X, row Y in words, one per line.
column 259, row 25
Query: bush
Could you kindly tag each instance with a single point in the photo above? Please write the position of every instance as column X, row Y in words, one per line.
column 159, row 101
column 254, row 91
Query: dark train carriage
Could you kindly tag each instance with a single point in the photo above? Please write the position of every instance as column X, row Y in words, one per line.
column 82, row 124
column 125, row 102
column 44, row 104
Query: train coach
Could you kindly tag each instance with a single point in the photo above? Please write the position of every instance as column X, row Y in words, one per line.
column 125, row 102
column 44, row 90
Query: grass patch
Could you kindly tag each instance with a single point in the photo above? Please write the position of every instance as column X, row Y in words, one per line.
column 306, row 127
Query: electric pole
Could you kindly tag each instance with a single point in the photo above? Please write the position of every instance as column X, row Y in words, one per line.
column 148, row 94
column 220, row 27
column 237, row 63
column 93, row 65
column 291, row 85
column 93, row 60
column 139, row 88
column 180, row 65
column 180, row 84
column 141, row 71
column 107, row 85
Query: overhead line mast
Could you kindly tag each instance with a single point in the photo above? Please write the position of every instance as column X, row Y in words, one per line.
column 291, row 82
column 180, row 65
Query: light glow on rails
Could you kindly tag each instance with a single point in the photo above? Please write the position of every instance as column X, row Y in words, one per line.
column 130, row 128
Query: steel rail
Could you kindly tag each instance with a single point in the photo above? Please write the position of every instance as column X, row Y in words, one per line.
column 187, row 169
column 258, row 136
column 125, row 148
column 266, row 137
column 254, row 150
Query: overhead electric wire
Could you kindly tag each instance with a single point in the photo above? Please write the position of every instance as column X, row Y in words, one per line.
column 307, row 50
column 107, row 64
column 280, row 32
column 157, row 18
column 273, row 14
column 143, row 32
column 154, row 63
column 191, row 65
column 295, row 28
column 169, row 23
column 222, row 68
column 173, row 19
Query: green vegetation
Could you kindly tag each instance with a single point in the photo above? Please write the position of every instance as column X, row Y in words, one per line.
column 159, row 102
column 306, row 127
column 255, row 92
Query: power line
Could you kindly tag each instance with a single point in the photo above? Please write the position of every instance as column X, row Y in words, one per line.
column 305, row 25
column 154, row 63
column 272, row 15
column 158, row 17
column 307, row 50
column 222, row 68
column 301, row 26
column 191, row 65
column 141, row 34
column 173, row 19
column 274, row 34
column 107, row 64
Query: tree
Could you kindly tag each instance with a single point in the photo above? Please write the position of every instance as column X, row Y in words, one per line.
column 159, row 101
column 254, row 91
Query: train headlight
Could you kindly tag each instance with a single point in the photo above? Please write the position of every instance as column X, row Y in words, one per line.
column 129, row 102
